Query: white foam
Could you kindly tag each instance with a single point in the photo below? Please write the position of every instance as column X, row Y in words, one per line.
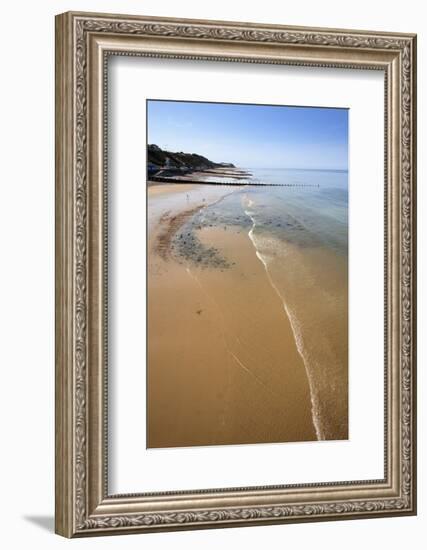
column 294, row 325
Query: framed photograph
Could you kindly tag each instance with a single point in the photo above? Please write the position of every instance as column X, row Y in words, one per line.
column 235, row 274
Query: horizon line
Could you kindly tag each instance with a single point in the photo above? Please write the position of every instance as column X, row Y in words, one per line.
column 297, row 168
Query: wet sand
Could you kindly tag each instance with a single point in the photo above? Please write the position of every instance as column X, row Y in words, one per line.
column 169, row 188
column 223, row 361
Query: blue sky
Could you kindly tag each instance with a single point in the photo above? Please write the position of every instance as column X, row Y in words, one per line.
column 252, row 135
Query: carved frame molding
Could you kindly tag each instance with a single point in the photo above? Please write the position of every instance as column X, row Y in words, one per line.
column 83, row 43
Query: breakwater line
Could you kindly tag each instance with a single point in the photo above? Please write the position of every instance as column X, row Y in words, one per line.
column 161, row 179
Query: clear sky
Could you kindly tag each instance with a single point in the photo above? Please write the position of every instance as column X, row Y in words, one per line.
column 252, row 135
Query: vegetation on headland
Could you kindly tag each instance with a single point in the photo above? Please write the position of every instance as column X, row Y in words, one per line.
column 160, row 160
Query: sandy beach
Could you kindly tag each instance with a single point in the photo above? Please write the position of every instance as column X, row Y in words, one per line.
column 226, row 364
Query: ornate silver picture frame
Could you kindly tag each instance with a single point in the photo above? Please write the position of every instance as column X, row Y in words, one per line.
column 84, row 42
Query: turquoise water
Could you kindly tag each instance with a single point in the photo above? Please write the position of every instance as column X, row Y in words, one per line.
column 310, row 209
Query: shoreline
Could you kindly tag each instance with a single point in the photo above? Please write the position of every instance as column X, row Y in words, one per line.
column 314, row 408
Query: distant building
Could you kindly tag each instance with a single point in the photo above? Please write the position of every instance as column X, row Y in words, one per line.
column 152, row 168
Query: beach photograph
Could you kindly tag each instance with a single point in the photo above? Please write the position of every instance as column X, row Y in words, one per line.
column 247, row 274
